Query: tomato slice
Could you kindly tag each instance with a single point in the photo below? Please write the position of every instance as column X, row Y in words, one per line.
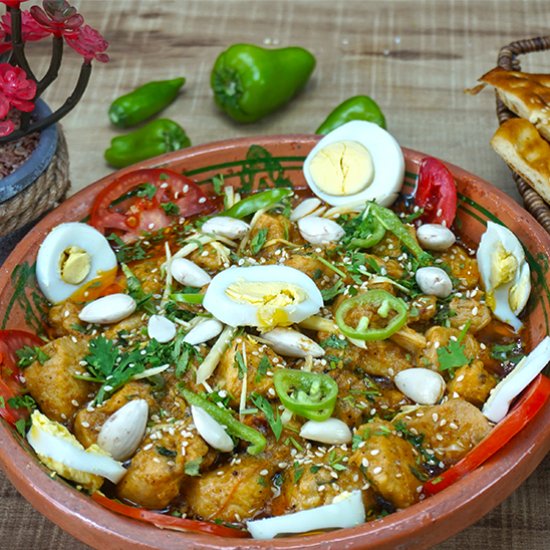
column 436, row 192
column 165, row 195
column 527, row 407
column 164, row 521
column 11, row 383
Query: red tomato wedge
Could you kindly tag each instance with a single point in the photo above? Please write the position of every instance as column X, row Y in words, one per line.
column 436, row 192
column 10, row 374
column 164, row 195
column 164, row 521
column 527, row 407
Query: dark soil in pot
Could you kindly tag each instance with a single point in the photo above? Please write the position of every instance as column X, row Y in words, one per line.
column 15, row 153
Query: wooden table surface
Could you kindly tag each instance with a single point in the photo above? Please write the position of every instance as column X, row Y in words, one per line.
column 414, row 57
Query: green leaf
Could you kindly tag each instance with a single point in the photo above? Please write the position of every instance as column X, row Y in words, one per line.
column 452, row 356
column 239, row 360
column 274, row 419
column 330, row 293
column 29, row 354
column 263, row 366
column 218, row 184
column 147, row 190
column 334, row 342
column 170, row 208
column 258, row 241
column 135, row 290
column 192, row 468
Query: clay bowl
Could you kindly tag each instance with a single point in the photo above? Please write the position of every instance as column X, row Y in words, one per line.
column 421, row 525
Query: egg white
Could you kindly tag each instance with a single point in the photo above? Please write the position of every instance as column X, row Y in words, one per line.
column 494, row 237
column 387, row 158
column 236, row 314
column 58, row 240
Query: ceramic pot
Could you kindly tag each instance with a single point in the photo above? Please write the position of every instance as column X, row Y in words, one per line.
column 38, row 160
column 419, row 526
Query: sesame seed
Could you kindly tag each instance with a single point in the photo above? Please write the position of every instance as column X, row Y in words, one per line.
column 460, row 378
column 453, row 426
column 365, row 463
column 85, row 424
column 439, row 437
column 435, row 417
column 264, row 472
column 377, row 470
column 375, row 452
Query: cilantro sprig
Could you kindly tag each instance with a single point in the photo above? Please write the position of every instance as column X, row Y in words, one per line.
column 452, row 356
column 273, row 418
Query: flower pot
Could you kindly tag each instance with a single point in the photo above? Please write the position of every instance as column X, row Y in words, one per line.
column 39, row 183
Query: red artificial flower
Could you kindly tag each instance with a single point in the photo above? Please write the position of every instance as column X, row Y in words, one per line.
column 31, row 31
column 16, row 90
column 57, row 17
column 6, row 127
column 12, row 3
column 89, row 43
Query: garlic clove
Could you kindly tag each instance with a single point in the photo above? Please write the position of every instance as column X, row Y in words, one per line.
column 211, row 431
column 316, row 230
column 423, row 386
column 108, row 309
column 123, row 431
column 434, row 281
column 224, row 226
column 161, row 329
column 332, row 431
column 292, row 343
column 208, row 329
column 189, row 273
column 305, row 208
column 433, row 236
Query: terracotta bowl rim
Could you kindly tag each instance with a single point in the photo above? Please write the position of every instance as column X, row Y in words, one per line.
column 83, row 518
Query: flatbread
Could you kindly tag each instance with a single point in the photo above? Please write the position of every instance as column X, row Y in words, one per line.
column 519, row 143
column 526, row 94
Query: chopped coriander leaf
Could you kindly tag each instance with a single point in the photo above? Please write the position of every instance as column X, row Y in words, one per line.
column 298, row 471
column 170, row 208
column 262, row 481
column 110, row 366
column 258, row 241
column 22, row 402
column 334, row 342
column 218, row 183
column 452, row 356
column 507, row 353
column 127, row 253
column 135, row 290
column 21, row 426
column 314, row 469
column 263, row 366
column 274, row 419
column 147, row 190
column 166, row 452
column 192, row 468
column 239, row 360
column 29, row 354
column 336, row 289
column 356, row 440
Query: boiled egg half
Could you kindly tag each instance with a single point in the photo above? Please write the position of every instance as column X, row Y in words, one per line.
column 72, row 257
column 359, row 161
column 262, row 296
column 504, row 272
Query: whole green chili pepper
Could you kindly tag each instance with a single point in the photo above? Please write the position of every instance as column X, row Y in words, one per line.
column 390, row 220
column 225, row 418
column 255, row 202
column 359, row 107
column 144, row 102
column 249, row 82
column 159, row 136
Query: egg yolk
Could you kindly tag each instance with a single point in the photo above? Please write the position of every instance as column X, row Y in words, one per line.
column 504, row 266
column 342, row 168
column 74, row 265
column 270, row 298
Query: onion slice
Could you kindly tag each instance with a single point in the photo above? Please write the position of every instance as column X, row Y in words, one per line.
column 346, row 510
column 496, row 407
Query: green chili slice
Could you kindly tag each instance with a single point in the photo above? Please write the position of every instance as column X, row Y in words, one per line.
column 234, row 427
column 187, row 298
column 390, row 220
column 257, row 201
column 373, row 303
column 308, row 394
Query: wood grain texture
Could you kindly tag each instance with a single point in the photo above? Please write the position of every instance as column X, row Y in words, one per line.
column 414, row 57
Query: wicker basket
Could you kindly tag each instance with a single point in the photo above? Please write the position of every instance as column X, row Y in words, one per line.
column 42, row 195
column 508, row 59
